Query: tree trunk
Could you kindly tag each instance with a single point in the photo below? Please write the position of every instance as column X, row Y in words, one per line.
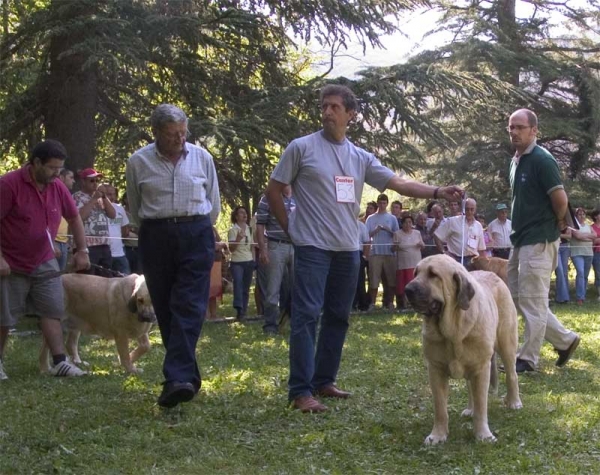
column 507, row 23
column 72, row 94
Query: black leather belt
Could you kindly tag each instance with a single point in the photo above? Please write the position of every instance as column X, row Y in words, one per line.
column 177, row 219
column 281, row 241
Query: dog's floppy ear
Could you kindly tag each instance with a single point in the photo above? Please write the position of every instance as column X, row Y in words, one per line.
column 464, row 290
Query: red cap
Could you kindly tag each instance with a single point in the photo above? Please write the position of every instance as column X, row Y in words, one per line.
column 88, row 173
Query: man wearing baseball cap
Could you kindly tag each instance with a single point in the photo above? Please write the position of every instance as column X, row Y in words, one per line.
column 95, row 210
column 500, row 229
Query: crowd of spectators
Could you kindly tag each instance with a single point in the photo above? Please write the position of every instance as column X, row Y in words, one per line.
column 462, row 237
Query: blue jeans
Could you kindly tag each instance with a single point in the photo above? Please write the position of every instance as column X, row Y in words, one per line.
column 582, row 264
column 121, row 264
column 274, row 276
column 323, row 280
column 177, row 259
column 241, row 273
column 596, row 266
column 562, row 274
column 64, row 254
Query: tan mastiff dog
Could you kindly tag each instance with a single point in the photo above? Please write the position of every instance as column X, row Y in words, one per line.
column 466, row 317
column 119, row 309
column 497, row 265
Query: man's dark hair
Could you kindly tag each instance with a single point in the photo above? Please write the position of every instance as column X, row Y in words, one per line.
column 65, row 171
column 47, row 150
column 383, row 197
column 594, row 213
column 396, row 202
column 372, row 203
column 348, row 97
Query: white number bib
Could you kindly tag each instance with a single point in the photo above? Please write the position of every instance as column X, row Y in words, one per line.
column 344, row 189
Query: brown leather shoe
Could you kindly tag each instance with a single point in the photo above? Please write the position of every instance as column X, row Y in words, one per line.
column 308, row 404
column 332, row 391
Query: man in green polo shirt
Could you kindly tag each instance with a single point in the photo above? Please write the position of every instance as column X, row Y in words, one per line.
column 539, row 207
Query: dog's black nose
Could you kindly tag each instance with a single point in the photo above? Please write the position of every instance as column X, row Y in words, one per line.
column 409, row 291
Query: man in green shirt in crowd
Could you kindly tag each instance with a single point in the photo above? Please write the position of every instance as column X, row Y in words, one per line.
column 539, row 207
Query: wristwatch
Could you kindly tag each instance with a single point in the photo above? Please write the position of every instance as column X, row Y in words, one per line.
column 86, row 250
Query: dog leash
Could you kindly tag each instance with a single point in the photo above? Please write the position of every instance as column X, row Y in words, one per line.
column 462, row 240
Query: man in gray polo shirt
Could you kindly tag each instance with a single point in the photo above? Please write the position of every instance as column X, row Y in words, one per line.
column 327, row 173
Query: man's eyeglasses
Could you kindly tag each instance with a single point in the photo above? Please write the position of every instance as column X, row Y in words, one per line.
column 518, row 128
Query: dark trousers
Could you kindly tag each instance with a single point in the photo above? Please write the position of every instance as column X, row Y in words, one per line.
column 362, row 300
column 101, row 257
column 324, row 285
column 177, row 259
column 132, row 256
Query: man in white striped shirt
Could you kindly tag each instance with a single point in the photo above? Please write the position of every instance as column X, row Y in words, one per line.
column 173, row 193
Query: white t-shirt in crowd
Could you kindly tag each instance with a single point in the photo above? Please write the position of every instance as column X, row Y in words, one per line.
column 500, row 232
column 114, row 231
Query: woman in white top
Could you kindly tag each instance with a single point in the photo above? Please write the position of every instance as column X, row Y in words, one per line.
column 408, row 244
column 582, row 254
column 242, row 260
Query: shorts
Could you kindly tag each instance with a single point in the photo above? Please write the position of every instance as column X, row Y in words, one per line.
column 379, row 265
column 27, row 295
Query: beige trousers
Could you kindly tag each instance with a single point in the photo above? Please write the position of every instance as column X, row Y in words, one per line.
column 529, row 271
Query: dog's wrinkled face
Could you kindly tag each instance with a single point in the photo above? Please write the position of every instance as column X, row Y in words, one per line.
column 140, row 302
column 439, row 281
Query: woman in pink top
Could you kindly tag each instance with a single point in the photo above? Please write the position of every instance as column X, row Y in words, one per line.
column 407, row 244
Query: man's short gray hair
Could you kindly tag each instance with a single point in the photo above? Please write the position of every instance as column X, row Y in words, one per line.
column 167, row 113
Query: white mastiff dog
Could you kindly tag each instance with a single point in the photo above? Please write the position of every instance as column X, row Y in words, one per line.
column 119, row 309
column 466, row 317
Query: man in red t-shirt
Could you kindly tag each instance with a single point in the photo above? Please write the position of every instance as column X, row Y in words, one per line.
column 32, row 202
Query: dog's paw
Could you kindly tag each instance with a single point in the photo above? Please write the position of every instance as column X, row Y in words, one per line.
column 468, row 412
column 433, row 439
column 516, row 405
column 486, row 437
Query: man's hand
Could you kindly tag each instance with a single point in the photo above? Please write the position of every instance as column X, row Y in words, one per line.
column 98, row 194
column 4, row 267
column 57, row 252
column 81, row 261
column 451, row 193
column 263, row 256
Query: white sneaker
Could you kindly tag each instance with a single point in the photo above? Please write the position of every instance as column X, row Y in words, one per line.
column 3, row 375
column 66, row 369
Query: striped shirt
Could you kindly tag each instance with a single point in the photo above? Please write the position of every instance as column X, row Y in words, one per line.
column 158, row 189
column 264, row 216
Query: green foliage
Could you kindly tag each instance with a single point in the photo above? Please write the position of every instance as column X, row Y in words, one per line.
column 538, row 66
column 234, row 67
column 109, row 422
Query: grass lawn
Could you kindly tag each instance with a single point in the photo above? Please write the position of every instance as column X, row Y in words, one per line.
column 240, row 423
